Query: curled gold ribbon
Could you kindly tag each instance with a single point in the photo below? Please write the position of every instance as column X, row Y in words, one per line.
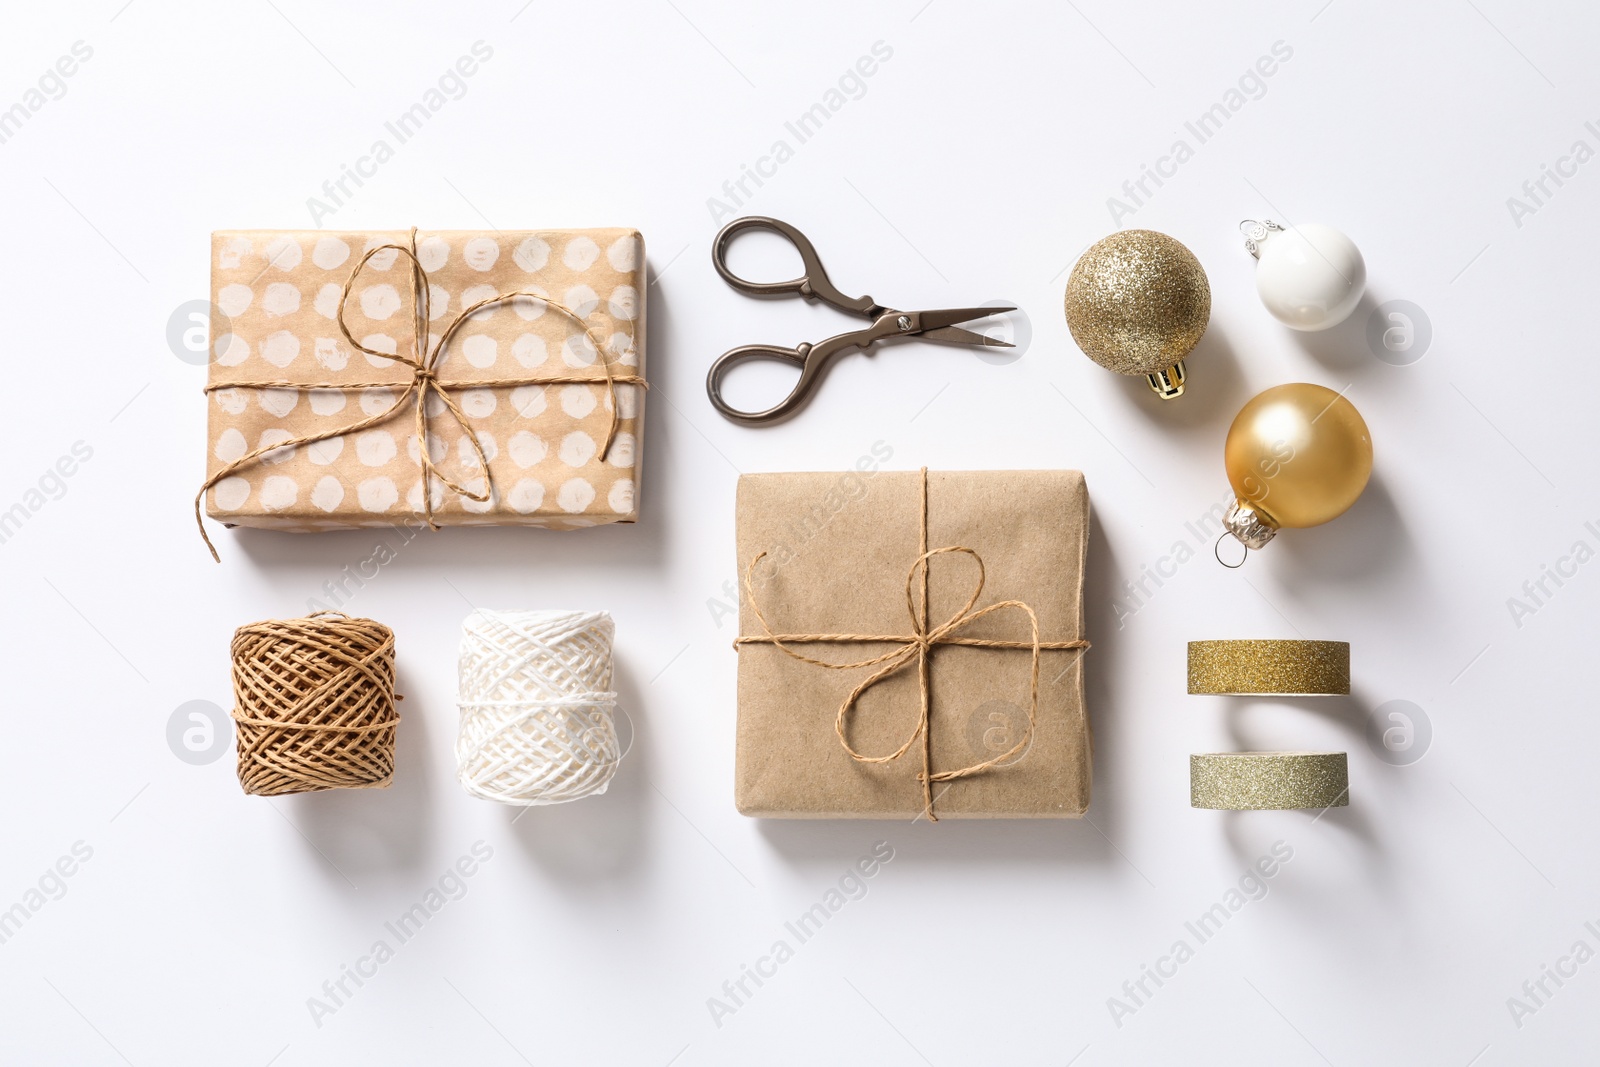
column 916, row 648
column 424, row 380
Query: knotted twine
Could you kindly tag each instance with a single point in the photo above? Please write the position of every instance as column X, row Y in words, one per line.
column 314, row 704
column 424, row 380
column 916, row 648
column 537, row 723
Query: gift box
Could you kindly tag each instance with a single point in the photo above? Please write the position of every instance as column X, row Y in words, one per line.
column 518, row 355
column 910, row 643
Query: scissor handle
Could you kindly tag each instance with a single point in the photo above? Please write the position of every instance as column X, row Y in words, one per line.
column 803, row 357
column 813, row 284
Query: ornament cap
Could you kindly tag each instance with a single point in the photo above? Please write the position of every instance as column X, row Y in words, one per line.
column 1168, row 384
column 1249, row 526
column 1257, row 232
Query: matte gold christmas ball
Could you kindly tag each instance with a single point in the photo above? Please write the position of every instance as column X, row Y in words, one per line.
column 1137, row 302
column 1298, row 455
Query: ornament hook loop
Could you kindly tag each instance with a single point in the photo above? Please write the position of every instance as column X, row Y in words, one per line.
column 1256, row 232
column 1216, row 550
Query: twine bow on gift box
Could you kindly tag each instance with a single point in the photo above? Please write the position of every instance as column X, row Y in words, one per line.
column 917, row 648
column 425, row 380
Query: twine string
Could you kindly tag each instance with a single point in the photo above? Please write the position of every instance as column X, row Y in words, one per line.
column 314, row 704
column 425, row 381
column 537, row 706
column 916, row 647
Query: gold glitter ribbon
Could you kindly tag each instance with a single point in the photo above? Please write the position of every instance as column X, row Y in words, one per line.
column 1269, row 668
column 916, row 648
column 1261, row 781
column 424, row 380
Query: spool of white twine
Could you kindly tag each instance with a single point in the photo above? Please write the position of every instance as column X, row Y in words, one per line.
column 537, row 710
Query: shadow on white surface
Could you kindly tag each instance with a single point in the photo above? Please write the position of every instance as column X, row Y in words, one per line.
column 1345, row 712
column 1214, row 390
column 366, row 832
column 1343, row 348
column 1038, row 843
column 1242, row 830
column 1369, row 545
column 462, row 550
column 596, row 836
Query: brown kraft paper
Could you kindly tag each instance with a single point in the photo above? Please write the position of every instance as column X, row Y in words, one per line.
column 275, row 296
column 839, row 547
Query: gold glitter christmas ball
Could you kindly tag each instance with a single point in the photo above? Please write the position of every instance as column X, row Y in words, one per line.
column 1137, row 303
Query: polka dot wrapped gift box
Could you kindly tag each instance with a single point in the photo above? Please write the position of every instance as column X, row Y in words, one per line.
column 457, row 378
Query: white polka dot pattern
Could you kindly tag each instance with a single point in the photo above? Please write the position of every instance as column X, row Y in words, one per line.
column 281, row 294
column 281, row 299
column 328, row 493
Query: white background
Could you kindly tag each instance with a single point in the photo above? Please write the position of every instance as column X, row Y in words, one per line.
column 976, row 166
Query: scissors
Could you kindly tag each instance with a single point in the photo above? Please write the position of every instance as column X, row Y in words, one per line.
column 813, row 360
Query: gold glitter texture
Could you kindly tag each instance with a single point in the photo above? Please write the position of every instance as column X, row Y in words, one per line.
column 1137, row 302
column 1269, row 668
column 1260, row 781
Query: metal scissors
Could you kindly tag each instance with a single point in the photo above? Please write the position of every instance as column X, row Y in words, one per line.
column 813, row 360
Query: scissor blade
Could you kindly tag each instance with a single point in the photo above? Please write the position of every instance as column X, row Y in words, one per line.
column 940, row 318
column 956, row 335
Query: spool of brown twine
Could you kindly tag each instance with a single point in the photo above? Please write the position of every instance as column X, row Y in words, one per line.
column 314, row 703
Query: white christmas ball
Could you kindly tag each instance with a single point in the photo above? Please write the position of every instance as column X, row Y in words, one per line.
column 1310, row 276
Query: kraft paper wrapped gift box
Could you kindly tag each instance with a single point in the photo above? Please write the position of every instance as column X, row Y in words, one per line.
column 839, row 552
column 527, row 377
